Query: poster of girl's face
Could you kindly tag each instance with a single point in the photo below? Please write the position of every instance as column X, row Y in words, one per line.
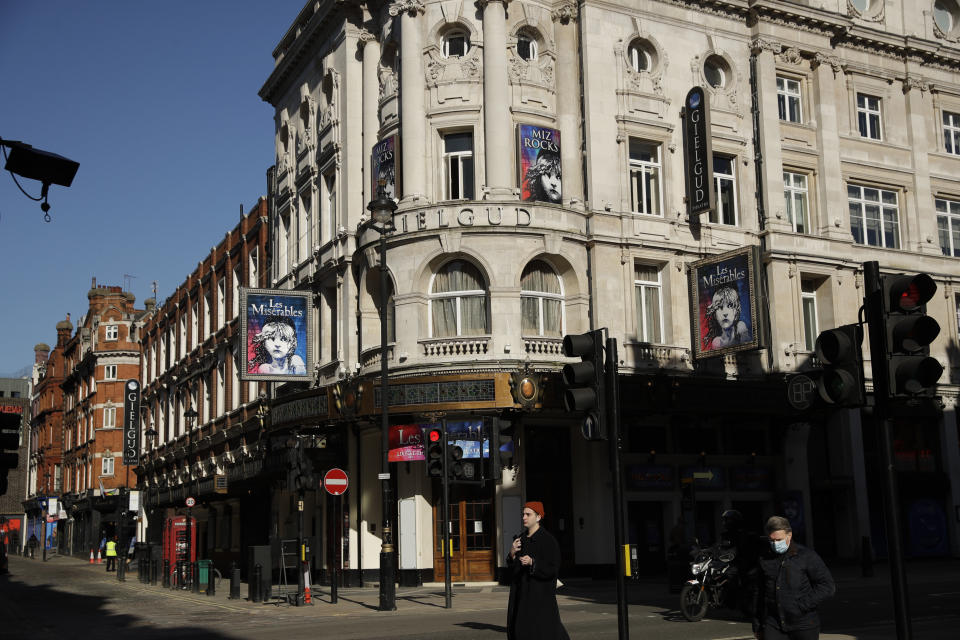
column 723, row 304
column 276, row 325
column 383, row 167
column 539, row 162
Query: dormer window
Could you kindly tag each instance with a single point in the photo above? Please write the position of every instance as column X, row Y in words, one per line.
column 455, row 43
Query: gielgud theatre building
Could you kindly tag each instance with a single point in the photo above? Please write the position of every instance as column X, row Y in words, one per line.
column 535, row 154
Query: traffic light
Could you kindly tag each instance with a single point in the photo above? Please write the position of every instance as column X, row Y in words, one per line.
column 502, row 447
column 300, row 476
column 908, row 331
column 585, row 386
column 435, row 445
column 839, row 350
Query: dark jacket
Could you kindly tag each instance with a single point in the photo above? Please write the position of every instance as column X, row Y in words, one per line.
column 789, row 587
column 532, row 611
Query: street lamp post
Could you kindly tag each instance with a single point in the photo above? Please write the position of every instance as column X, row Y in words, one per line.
column 189, row 416
column 381, row 211
column 43, row 514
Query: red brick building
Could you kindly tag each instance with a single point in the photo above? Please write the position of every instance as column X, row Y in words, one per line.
column 46, row 426
column 102, row 354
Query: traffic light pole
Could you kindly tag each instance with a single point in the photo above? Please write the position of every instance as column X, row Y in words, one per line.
column 881, row 394
column 613, row 416
column 447, row 586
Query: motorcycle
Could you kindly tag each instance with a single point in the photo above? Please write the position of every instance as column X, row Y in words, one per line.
column 713, row 583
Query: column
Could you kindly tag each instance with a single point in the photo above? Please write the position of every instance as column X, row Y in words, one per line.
column 496, row 100
column 775, row 214
column 412, row 111
column 917, row 206
column 832, row 218
column 568, row 101
column 371, row 107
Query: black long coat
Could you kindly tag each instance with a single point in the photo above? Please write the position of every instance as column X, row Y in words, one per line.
column 532, row 611
column 789, row 588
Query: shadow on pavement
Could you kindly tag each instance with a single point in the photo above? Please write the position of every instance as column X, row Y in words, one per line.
column 44, row 611
column 483, row 626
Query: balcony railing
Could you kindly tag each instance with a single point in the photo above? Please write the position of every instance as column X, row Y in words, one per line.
column 371, row 357
column 644, row 355
column 543, row 346
column 455, row 347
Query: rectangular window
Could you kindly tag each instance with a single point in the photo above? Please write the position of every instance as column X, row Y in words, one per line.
column 110, row 372
column 235, row 293
column 106, row 466
column 645, row 193
column 874, row 216
column 808, row 303
column 788, row 100
column 795, row 196
column 207, row 316
column 111, row 332
column 948, row 225
column 194, row 324
column 458, row 165
column 725, row 186
column 646, row 282
column 254, row 269
column 303, row 227
column 951, row 132
column 330, row 190
column 109, row 417
column 868, row 116
column 221, row 303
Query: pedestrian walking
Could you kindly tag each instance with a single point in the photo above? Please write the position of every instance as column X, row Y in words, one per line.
column 112, row 554
column 32, row 544
column 791, row 583
column 533, row 565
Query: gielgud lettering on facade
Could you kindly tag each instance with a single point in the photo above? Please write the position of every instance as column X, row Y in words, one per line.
column 698, row 152
column 467, row 217
column 131, row 421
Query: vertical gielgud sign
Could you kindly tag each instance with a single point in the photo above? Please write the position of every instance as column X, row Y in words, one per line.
column 698, row 152
column 131, row 422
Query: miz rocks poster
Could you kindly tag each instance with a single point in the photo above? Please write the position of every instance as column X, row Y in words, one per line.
column 723, row 296
column 279, row 339
column 539, row 163
column 384, row 167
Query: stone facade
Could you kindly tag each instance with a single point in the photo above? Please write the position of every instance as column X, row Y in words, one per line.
column 848, row 113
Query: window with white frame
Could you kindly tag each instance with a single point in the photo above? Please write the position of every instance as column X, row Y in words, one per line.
column 725, row 187
column 109, row 417
column 458, row 165
column 106, row 465
column 456, row 43
column 182, row 343
column 526, row 46
column 330, row 193
column 110, row 372
column 235, row 380
column 207, row 316
column 868, row 116
column 796, row 199
column 458, row 301
column 788, row 99
column 194, row 324
column 948, row 226
column 541, row 301
column 303, row 226
column 235, row 292
column 649, row 303
column 874, row 216
column 253, row 268
column 111, row 332
column 639, row 56
column 951, row 132
column 645, row 177
column 221, row 302
column 808, row 304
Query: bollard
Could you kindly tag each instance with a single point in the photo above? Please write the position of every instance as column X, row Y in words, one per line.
column 121, row 568
column 153, row 571
column 166, row 574
column 254, row 586
column 234, row 581
column 195, row 576
column 211, row 581
column 141, row 569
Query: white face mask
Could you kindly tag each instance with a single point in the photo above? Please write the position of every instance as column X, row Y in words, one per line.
column 779, row 546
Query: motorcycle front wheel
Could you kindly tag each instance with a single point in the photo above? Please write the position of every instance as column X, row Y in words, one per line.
column 693, row 602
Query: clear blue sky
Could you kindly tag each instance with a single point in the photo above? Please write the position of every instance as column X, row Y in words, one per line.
column 158, row 103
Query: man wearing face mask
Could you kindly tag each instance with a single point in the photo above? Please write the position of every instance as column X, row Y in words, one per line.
column 792, row 581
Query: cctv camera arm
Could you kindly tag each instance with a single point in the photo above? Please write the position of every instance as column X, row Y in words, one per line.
column 46, row 167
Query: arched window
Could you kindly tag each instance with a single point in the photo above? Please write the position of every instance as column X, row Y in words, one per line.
column 458, row 301
column 541, row 300
column 527, row 46
column 456, row 43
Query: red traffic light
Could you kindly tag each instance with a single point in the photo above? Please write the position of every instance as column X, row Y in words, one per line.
column 908, row 293
column 434, row 435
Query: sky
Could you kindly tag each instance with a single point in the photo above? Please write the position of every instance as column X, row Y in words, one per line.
column 158, row 103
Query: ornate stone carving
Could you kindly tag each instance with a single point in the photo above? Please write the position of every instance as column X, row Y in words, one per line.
column 410, row 7
column 791, row 55
column 912, row 82
column 765, row 44
column 565, row 13
column 482, row 4
column 388, row 81
column 833, row 61
column 873, row 15
column 331, row 114
column 306, row 139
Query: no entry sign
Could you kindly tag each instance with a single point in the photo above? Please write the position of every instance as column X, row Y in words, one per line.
column 335, row 482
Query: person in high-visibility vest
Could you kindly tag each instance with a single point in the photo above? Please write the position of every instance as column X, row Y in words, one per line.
column 112, row 554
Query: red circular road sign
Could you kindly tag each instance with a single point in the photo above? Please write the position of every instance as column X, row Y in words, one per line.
column 335, row 482
column 191, row 502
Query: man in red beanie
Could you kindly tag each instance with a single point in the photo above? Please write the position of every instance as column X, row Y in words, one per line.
column 532, row 565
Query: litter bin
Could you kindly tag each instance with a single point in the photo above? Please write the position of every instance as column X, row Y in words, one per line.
column 204, row 567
